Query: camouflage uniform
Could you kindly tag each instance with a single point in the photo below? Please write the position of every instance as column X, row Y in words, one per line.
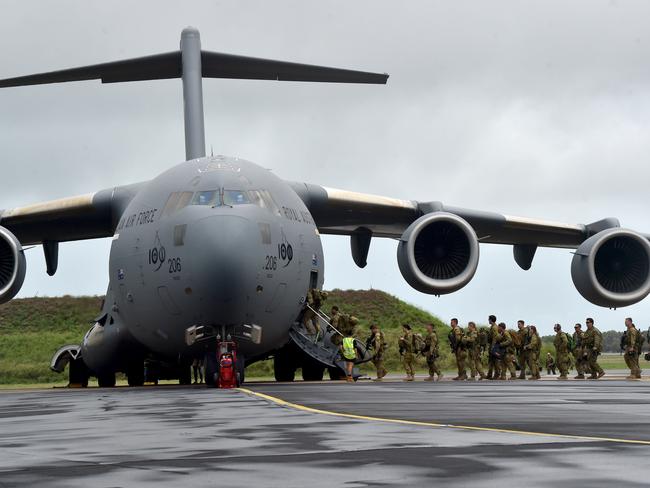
column 473, row 346
column 493, row 363
column 550, row 364
column 432, row 354
column 592, row 347
column 632, row 353
column 378, row 345
column 561, row 343
column 335, row 321
column 507, row 363
column 533, row 347
column 310, row 320
column 408, row 358
column 461, row 353
column 523, row 353
column 579, row 353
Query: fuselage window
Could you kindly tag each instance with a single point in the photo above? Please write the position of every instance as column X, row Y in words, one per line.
column 235, row 197
column 206, row 198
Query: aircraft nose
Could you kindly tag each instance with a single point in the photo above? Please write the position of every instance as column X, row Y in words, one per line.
column 225, row 273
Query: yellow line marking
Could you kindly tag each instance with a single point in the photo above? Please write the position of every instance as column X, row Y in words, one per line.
column 284, row 403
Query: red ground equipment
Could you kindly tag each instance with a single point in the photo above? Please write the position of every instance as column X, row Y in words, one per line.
column 228, row 377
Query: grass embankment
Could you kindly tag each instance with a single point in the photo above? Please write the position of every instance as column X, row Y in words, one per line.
column 32, row 329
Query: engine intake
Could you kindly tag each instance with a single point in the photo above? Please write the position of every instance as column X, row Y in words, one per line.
column 612, row 268
column 438, row 253
column 12, row 265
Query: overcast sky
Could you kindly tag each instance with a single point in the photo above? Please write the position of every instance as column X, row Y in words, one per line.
column 539, row 109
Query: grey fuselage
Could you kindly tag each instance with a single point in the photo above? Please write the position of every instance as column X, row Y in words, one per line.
column 212, row 241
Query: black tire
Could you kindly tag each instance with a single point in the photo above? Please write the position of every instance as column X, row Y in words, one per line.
column 312, row 371
column 106, row 380
column 284, row 368
column 184, row 374
column 336, row 374
column 78, row 373
column 135, row 373
column 211, row 369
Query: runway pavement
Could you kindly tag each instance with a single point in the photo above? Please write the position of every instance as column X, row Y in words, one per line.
column 573, row 433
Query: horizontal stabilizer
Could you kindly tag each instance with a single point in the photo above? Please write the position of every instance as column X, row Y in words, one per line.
column 214, row 65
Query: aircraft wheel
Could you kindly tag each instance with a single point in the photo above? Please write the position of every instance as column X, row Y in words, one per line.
column 135, row 373
column 312, row 371
column 106, row 380
column 336, row 374
column 211, row 370
column 78, row 373
column 284, row 368
column 185, row 374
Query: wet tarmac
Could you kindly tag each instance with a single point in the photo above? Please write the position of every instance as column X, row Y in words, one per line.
column 543, row 434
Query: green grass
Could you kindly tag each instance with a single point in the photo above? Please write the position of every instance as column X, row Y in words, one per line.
column 32, row 329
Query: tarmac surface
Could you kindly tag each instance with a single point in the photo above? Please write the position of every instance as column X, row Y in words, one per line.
column 482, row 434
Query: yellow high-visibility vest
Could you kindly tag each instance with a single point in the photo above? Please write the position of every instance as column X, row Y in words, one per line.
column 349, row 352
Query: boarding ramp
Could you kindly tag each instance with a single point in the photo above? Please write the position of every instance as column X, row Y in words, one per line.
column 324, row 347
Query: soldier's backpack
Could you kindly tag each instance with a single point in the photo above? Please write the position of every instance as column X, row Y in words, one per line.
column 570, row 343
column 640, row 340
column 418, row 343
column 483, row 337
column 517, row 341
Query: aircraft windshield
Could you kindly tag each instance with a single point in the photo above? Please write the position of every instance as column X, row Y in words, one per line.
column 235, row 197
column 207, row 198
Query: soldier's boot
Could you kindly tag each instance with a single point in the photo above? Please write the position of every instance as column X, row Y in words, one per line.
column 593, row 377
column 532, row 378
column 630, row 377
column 462, row 377
column 429, row 378
column 481, row 377
column 488, row 376
column 440, row 375
column 562, row 377
column 600, row 375
column 502, row 377
column 471, row 378
column 522, row 375
column 580, row 376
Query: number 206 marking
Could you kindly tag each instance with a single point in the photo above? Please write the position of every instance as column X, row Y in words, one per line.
column 174, row 265
column 271, row 263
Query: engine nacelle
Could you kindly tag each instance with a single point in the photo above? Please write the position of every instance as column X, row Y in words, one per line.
column 438, row 253
column 612, row 268
column 12, row 265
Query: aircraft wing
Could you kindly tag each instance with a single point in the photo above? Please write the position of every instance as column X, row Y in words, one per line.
column 346, row 213
column 89, row 216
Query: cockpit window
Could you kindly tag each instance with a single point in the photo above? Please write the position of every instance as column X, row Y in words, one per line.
column 177, row 201
column 235, row 197
column 263, row 198
column 207, row 198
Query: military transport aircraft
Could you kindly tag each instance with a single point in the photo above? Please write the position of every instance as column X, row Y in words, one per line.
column 220, row 244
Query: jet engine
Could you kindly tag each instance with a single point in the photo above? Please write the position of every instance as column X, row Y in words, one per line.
column 438, row 253
column 612, row 268
column 12, row 265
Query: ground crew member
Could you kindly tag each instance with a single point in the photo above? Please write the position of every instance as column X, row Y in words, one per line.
column 561, row 343
column 532, row 349
column 407, row 352
column 310, row 319
column 493, row 362
column 377, row 344
column 524, row 337
column 458, row 349
column 593, row 346
column 550, row 363
column 632, row 350
column 349, row 353
column 473, row 347
column 579, row 351
column 432, row 353
column 507, row 362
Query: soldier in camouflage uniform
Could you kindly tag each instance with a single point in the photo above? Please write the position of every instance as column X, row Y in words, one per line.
column 493, row 363
column 579, row 351
column 593, row 344
column 533, row 348
column 507, row 362
column 632, row 350
column 407, row 352
column 335, row 321
column 550, row 364
column 458, row 349
column 561, row 343
column 473, row 347
column 377, row 344
column 310, row 320
column 431, row 353
column 524, row 337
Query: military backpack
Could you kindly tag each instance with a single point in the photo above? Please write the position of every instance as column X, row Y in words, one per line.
column 517, row 341
column 570, row 343
column 483, row 337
